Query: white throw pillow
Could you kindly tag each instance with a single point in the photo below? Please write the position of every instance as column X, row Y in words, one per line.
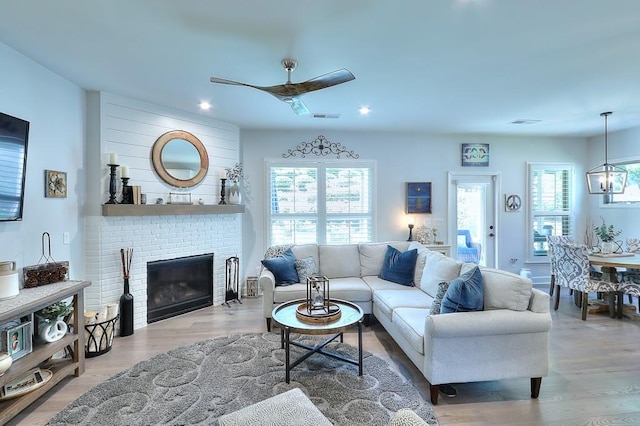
column 502, row 289
column 438, row 268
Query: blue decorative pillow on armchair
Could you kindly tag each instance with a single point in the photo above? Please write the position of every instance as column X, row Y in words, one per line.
column 398, row 267
column 283, row 268
column 465, row 293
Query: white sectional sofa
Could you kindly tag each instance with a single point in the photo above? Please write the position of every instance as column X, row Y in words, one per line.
column 507, row 339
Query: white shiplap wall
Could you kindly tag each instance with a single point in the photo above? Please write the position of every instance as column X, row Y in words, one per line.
column 130, row 128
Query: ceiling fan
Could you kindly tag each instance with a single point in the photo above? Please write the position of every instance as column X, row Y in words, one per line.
column 291, row 92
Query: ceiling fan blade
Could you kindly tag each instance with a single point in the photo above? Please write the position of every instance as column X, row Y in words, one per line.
column 326, row 80
column 286, row 90
column 233, row 83
column 298, row 106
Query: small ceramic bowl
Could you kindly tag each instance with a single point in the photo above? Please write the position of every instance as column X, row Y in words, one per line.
column 5, row 362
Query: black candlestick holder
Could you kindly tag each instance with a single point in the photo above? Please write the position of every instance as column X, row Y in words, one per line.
column 223, row 191
column 126, row 194
column 112, row 184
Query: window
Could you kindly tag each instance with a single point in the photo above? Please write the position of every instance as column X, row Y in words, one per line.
column 325, row 203
column 632, row 189
column 550, row 206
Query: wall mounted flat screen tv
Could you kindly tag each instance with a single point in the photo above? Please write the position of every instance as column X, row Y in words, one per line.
column 14, row 135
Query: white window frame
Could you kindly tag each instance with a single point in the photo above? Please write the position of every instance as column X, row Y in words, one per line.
column 322, row 216
column 532, row 214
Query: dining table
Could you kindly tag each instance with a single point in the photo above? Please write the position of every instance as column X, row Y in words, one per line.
column 609, row 263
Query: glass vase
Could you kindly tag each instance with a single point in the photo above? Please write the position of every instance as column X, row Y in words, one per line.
column 607, row 247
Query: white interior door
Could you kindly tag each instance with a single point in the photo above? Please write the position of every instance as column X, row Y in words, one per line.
column 473, row 210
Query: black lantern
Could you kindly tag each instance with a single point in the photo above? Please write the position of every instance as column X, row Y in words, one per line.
column 318, row 295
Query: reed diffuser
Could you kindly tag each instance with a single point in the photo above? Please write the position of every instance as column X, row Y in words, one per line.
column 126, row 300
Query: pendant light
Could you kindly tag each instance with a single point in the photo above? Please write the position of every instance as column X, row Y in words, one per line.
column 606, row 179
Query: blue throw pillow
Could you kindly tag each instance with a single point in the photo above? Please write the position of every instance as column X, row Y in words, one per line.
column 283, row 268
column 465, row 293
column 398, row 267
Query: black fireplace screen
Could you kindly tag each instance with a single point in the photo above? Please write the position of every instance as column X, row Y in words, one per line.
column 177, row 286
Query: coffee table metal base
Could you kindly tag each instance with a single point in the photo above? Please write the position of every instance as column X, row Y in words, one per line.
column 286, row 342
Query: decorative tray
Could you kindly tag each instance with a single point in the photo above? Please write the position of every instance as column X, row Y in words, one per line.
column 30, row 381
column 613, row 255
column 318, row 317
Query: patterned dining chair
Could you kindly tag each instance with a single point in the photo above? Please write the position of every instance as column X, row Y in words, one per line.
column 572, row 263
column 630, row 278
column 551, row 241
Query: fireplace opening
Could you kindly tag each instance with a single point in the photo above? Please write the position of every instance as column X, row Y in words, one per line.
column 177, row 286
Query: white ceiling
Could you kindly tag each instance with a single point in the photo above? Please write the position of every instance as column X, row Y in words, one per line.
column 437, row 66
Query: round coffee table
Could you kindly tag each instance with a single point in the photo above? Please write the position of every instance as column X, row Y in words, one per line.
column 284, row 316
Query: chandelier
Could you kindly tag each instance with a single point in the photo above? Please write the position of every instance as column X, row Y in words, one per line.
column 607, row 178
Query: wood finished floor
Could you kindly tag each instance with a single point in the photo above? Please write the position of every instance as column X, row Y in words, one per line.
column 594, row 376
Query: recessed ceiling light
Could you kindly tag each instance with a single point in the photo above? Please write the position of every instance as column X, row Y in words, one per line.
column 364, row 110
column 205, row 105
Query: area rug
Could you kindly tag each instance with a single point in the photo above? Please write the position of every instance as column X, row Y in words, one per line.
column 196, row 384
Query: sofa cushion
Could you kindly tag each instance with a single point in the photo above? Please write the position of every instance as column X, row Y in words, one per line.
column 303, row 251
column 283, row 294
column 420, row 261
column 399, row 267
column 377, row 284
column 352, row 289
column 306, row 268
column 389, row 300
column 438, row 268
column 504, row 290
column 464, row 294
column 410, row 323
column 283, row 268
column 277, row 250
column 372, row 255
column 339, row 261
column 437, row 301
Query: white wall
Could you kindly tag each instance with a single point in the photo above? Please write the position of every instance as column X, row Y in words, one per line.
column 409, row 157
column 55, row 109
column 623, row 145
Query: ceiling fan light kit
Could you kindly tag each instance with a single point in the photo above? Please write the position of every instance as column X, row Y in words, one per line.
column 606, row 179
column 291, row 93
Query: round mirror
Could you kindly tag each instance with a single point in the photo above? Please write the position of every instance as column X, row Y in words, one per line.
column 180, row 159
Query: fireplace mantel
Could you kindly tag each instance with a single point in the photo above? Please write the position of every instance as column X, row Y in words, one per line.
column 168, row 209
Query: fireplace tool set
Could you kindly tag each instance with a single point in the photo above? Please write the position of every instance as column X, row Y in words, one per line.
column 232, row 281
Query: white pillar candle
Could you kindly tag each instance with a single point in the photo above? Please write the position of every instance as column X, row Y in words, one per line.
column 124, row 171
column 113, row 158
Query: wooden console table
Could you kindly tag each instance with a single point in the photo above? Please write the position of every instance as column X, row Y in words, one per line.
column 28, row 301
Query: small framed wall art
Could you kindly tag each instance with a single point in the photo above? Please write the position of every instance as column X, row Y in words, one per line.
column 55, row 184
column 418, row 197
column 475, row 155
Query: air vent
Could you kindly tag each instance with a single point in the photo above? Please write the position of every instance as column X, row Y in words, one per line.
column 523, row 121
column 324, row 115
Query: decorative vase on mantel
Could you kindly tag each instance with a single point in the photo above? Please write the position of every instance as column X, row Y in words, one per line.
column 235, row 197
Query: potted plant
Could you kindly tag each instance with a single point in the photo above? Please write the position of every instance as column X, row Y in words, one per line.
column 52, row 326
column 607, row 235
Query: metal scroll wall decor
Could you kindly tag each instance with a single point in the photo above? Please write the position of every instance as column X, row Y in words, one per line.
column 320, row 147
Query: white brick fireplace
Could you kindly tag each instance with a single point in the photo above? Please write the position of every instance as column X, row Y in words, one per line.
column 154, row 238
column 129, row 128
